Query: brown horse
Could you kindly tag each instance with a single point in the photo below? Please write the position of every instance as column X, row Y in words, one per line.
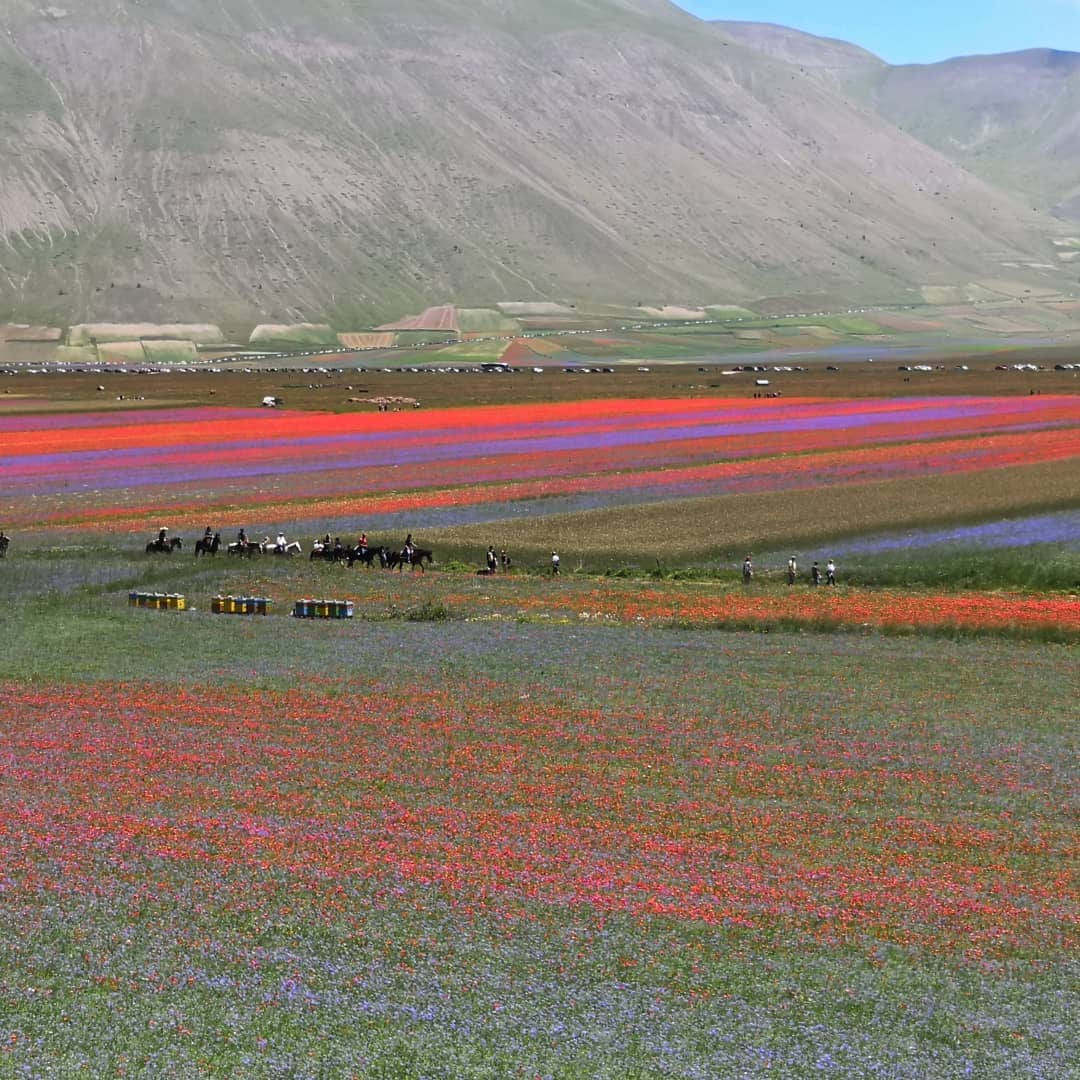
column 366, row 555
column 401, row 560
column 244, row 547
column 208, row 546
column 166, row 547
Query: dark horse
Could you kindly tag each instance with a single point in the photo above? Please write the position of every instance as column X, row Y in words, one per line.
column 366, row 555
column 208, row 547
column 165, row 546
column 244, row 547
column 329, row 553
column 401, row 560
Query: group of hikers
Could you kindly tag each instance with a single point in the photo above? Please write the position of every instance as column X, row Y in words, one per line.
column 495, row 560
column 793, row 571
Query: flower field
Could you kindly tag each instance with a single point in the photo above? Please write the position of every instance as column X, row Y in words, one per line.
column 694, row 865
column 570, row 827
column 85, row 470
column 889, row 609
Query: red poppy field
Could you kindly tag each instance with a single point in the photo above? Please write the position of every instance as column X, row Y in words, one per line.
column 232, row 465
column 528, row 825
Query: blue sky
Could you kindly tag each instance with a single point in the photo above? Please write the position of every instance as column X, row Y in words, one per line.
column 916, row 31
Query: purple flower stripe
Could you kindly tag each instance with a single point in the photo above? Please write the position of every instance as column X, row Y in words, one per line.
column 292, row 455
column 1058, row 528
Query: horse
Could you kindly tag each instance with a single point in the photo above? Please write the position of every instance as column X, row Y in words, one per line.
column 328, row 553
column 291, row 548
column 367, row 556
column 167, row 547
column 208, row 547
column 401, row 560
column 244, row 547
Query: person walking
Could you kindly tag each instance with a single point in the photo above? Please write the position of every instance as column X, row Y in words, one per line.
column 830, row 573
column 554, row 562
column 747, row 569
column 792, row 570
column 815, row 574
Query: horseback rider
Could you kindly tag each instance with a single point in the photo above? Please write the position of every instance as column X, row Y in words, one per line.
column 362, row 542
column 241, row 537
column 407, row 550
column 281, row 542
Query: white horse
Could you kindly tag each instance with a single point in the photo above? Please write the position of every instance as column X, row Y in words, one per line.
column 269, row 547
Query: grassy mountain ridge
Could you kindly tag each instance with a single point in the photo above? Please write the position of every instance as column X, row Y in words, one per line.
column 837, row 58
column 269, row 160
column 1012, row 119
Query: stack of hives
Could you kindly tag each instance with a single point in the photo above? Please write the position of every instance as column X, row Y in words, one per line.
column 158, row 601
column 323, row 609
column 241, row 605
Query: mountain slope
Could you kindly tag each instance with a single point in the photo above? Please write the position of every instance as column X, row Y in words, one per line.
column 1013, row 118
column 838, row 59
column 270, row 159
